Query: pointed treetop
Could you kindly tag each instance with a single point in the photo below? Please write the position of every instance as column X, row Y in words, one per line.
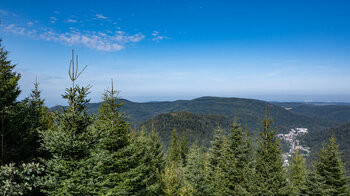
column 73, row 69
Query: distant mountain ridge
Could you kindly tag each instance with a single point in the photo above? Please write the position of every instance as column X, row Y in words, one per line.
column 336, row 112
column 245, row 111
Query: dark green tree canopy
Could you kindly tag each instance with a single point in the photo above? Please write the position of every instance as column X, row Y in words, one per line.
column 9, row 89
column 330, row 167
column 271, row 174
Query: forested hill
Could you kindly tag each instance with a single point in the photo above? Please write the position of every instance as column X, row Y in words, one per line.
column 336, row 112
column 246, row 111
column 198, row 127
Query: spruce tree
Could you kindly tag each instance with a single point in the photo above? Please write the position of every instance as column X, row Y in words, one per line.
column 111, row 128
column 297, row 173
column 117, row 156
column 271, row 174
column 331, row 168
column 183, row 148
column 69, row 143
column 9, row 91
column 141, row 167
column 149, row 163
column 157, row 163
column 237, row 161
column 19, row 120
column 174, row 155
column 19, row 141
column 314, row 185
column 215, row 164
column 196, row 172
column 36, row 118
column 216, row 152
column 172, row 177
column 171, row 180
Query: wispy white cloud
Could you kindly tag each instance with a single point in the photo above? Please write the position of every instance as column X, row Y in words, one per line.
column 30, row 24
column 56, row 12
column 20, row 30
column 3, row 12
column 69, row 20
column 101, row 41
column 100, row 16
column 53, row 19
column 157, row 37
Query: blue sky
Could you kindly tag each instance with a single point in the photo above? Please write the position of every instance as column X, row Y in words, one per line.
column 168, row 50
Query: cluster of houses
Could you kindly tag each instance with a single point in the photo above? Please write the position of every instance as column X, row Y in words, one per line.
column 292, row 138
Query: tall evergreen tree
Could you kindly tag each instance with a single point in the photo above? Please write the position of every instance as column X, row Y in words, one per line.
column 149, row 163
column 330, row 167
column 216, row 152
column 297, row 173
column 157, row 163
column 19, row 120
column 171, row 180
column 118, row 156
column 216, row 175
column 174, row 155
column 141, row 167
column 19, row 141
column 196, row 172
column 270, row 172
column 36, row 118
column 69, row 142
column 314, row 185
column 9, row 92
column 111, row 126
column 9, row 89
column 183, row 148
column 237, row 161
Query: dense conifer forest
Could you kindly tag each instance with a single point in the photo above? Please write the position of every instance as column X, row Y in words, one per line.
column 75, row 152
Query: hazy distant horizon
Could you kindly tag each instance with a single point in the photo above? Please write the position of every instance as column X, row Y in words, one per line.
column 268, row 98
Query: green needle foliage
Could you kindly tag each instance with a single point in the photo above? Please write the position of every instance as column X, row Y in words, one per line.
column 111, row 126
column 297, row 173
column 171, row 180
column 36, row 118
column 20, row 180
column 183, row 148
column 216, row 163
column 9, row 89
column 217, row 150
column 69, row 143
column 114, row 153
column 156, row 164
column 314, row 185
column 271, row 175
column 196, row 172
column 237, row 158
column 125, row 165
column 9, row 92
column 330, row 167
column 174, row 155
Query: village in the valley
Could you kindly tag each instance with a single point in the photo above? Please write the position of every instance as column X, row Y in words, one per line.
column 292, row 138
